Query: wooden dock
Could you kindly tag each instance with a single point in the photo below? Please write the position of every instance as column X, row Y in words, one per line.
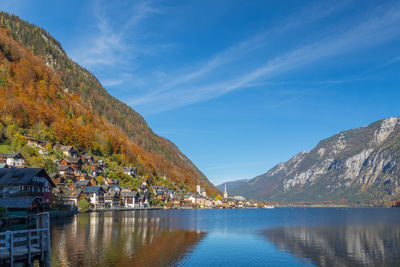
column 24, row 247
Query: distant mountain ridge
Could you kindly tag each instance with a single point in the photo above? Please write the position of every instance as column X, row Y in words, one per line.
column 79, row 100
column 358, row 166
column 231, row 185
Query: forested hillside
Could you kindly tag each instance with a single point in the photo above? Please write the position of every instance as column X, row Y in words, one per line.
column 46, row 95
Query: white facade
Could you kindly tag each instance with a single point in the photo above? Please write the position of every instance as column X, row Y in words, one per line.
column 198, row 189
column 130, row 203
column 16, row 162
column 225, row 193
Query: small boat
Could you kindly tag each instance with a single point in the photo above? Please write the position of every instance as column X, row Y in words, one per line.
column 269, row 207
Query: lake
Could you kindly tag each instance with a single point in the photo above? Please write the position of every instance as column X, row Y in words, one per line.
column 241, row 237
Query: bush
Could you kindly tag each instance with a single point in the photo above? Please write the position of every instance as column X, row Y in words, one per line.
column 84, row 205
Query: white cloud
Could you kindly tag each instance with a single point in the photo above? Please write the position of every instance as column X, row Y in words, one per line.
column 374, row 30
column 109, row 44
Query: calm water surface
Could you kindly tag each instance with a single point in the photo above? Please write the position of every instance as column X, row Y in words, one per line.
column 254, row 237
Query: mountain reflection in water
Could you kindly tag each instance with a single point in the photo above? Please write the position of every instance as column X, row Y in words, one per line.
column 114, row 239
column 349, row 245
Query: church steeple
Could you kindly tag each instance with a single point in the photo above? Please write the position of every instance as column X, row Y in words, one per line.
column 225, row 193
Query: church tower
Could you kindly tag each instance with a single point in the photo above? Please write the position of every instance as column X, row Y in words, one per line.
column 225, row 193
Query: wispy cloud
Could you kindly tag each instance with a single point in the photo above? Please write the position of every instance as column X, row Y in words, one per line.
column 377, row 28
column 392, row 61
column 109, row 44
column 112, row 82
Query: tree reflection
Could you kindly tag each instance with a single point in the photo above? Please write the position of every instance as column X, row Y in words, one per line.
column 120, row 239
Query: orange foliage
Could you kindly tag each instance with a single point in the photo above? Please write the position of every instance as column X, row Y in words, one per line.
column 32, row 93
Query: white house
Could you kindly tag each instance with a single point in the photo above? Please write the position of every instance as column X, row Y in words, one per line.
column 13, row 159
column 130, row 198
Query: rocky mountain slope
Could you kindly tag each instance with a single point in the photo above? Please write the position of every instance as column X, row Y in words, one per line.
column 359, row 166
column 47, row 95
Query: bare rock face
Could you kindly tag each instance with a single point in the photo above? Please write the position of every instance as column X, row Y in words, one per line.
column 358, row 165
column 387, row 127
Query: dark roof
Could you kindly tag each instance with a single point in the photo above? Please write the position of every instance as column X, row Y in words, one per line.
column 11, row 155
column 83, row 182
column 105, row 187
column 17, row 202
column 92, row 189
column 129, row 193
column 66, row 148
column 111, row 194
column 73, row 160
column 73, row 193
column 63, row 168
column 20, row 176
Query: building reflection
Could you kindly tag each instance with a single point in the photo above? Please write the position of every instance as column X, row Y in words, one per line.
column 123, row 239
column 357, row 245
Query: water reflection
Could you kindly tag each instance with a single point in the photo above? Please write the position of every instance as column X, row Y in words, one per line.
column 349, row 245
column 110, row 239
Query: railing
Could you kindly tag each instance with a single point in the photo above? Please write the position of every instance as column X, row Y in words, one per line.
column 27, row 245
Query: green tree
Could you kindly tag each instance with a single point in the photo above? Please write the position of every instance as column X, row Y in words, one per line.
column 84, row 205
column 218, row 197
column 49, row 148
column 100, row 179
column 50, row 166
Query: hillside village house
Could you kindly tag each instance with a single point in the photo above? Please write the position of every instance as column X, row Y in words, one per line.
column 83, row 183
column 87, row 159
column 130, row 198
column 41, row 144
column 95, row 194
column 29, row 182
column 63, row 170
column 13, row 159
column 144, row 200
column 74, row 163
column 131, row 171
column 69, row 151
column 72, row 197
column 111, row 199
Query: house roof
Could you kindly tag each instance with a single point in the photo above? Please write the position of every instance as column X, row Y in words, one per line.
column 92, row 189
column 64, row 168
column 73, row 160
column 17, row 176
column 17, row 202
column 83, row 182
column 67, row 148
column 74, row 193
column 11, row 155
column 129, row 193
column 111, row 193
column 105, row 187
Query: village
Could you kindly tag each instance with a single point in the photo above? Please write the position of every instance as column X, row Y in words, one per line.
column 81, row 178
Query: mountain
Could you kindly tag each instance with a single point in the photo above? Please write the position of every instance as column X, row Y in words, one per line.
column 358, row 166
column 231, row 185
column 48, row 96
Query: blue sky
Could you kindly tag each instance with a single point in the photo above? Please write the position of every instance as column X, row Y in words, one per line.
column 239, row 86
